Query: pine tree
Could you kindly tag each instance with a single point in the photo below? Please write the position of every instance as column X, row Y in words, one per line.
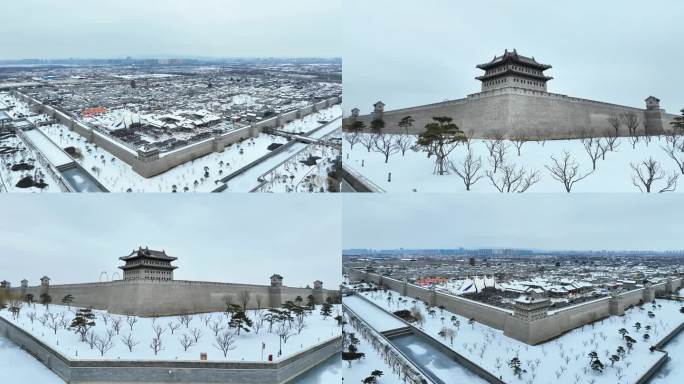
column 84, row 320
column 326, row 310
column 240, row 321
column 68, row 299
column 440, row 138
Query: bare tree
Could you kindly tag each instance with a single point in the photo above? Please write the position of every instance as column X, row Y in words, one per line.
column 539, row 136
column 244, row 297
column 156, row 345
column 368, row 141
column 352, row 138
column 354, row 133
column 615, row 122
column 519, row 138
column 385, row 144
column 513, row 179
column 566, row 170
column 196, row 334
column 607, row 144
column 216, row 327
column 299, row 324
column 174, row 326
column 469, row 169
column 185, row 319
column 116, row 324
column 593, row 148
column 258, row 322
column 492, row 138
column 403, row 142
column 158, row 331
column 675, row 155
column 91, row 338
column 632, row 122
column 54, row 324
column 186, row 341
column 643, row 178
column 259, row 301
column 104, row 344
column 129, row 342
column 225, row 342
column 131, row 320
column 498, row 156
column 284, row 331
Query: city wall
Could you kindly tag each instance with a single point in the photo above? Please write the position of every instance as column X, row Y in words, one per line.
column 121, row 371
column 534, row 332
column 513, row 110
column 172, row 297
column 155, row 165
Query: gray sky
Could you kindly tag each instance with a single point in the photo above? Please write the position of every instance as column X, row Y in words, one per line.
column 226, row 238
column 547, row 221
column 144, row 28
column 410, row 53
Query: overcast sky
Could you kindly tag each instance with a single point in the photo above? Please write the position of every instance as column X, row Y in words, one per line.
column 239, row 238
column 408, row 53
column 546, row 221
column 149, row 28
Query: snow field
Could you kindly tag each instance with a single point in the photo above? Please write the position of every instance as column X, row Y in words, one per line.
column 413, row 172
column 247, row 346
column 563, row 360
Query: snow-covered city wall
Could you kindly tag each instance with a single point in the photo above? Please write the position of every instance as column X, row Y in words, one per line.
column 147, row 371
column 172, row 297
column 149, row 167
column 516, row 110
column 534, row 332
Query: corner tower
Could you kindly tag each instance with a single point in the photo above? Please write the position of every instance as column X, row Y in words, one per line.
column 513, row 70
column 148, row 264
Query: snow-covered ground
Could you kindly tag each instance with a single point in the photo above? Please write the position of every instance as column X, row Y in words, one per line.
column 362, row 368
column 247, row 345
column 17, row 366
column 563, row 360
column 309, row 122
column 118, row 176
column 9, row 178
column 296, row 176
column 414, row 171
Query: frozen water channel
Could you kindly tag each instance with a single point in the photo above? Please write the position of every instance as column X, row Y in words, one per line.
column 329, row 371
column 441, row 367
column 247, row 180
column 377, row 318
column 17, row 366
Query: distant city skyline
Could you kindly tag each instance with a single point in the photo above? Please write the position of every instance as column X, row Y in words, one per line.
column 532, row 221
column 231, row 238
column 170, row 28
column 414, row 53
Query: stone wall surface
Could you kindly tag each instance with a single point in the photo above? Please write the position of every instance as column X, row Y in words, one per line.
column 158, row 298
column 515, row 110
